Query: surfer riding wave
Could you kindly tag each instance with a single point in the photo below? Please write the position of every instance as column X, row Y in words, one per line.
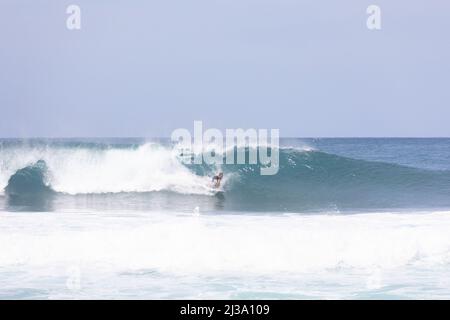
column 217, row 179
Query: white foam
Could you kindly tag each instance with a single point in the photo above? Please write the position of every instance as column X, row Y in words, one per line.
column 231, row 244
column 149, row 167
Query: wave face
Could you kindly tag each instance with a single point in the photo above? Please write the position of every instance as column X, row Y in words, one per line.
column 308, row 179
column 314, row 180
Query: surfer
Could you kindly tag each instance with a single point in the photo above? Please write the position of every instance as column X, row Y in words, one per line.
column 216, row 180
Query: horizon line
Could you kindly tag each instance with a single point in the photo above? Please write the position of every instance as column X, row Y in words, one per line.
column 285, row 137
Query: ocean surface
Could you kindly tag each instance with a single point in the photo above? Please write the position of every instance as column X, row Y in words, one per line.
column 348, row 218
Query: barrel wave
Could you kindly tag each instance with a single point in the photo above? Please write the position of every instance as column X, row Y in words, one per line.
column 308, row 180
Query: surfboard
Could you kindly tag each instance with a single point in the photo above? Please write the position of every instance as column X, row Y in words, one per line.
column 216, row 190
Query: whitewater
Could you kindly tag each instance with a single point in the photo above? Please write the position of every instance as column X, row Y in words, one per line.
column 146, row 168
column 125, row 218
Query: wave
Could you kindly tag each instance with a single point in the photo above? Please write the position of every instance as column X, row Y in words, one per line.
column 145, row 168
column 307, row 180
column 318, row 180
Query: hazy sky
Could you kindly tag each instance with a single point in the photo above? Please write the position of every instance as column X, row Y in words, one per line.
column 144, row 68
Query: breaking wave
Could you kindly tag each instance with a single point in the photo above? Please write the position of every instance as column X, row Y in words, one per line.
column 308, row 179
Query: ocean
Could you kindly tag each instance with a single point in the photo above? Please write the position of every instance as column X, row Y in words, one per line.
column 344, row 218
